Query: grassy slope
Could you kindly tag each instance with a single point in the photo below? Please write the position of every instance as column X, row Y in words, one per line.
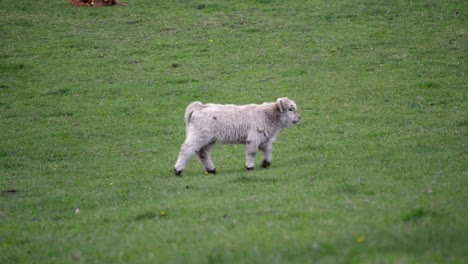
column 91, row 105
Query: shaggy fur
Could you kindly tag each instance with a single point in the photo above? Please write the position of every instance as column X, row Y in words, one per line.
column 255, row 126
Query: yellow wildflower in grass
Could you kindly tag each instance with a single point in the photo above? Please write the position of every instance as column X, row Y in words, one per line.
column 361, row 239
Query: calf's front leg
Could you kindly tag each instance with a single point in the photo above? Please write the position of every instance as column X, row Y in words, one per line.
column 267, row 149
column 250, row 152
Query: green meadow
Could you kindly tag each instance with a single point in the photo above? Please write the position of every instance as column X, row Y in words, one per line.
column 91, row 122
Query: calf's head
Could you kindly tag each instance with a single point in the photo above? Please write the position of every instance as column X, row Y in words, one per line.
column 288, row 109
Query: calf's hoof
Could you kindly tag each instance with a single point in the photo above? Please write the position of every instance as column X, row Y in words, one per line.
column 266, row 164
column 250, row 169
column 213, row 171
column 177, row 173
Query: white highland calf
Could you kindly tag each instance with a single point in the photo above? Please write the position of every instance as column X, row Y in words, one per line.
column 255, row 126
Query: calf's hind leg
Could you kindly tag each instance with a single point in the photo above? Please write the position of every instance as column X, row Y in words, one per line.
column 204, row 154
column 187, row 150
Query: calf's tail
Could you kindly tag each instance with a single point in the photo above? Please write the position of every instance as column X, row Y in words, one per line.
column 190, row 109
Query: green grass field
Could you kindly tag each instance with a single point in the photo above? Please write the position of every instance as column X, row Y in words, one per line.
column 91, row 122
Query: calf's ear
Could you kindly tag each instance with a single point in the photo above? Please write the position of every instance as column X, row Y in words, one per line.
column 281, row 102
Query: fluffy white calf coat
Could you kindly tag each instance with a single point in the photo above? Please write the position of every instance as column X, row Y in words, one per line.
column 255, row 126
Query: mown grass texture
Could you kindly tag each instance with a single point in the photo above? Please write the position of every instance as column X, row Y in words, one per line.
column 91, row 112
